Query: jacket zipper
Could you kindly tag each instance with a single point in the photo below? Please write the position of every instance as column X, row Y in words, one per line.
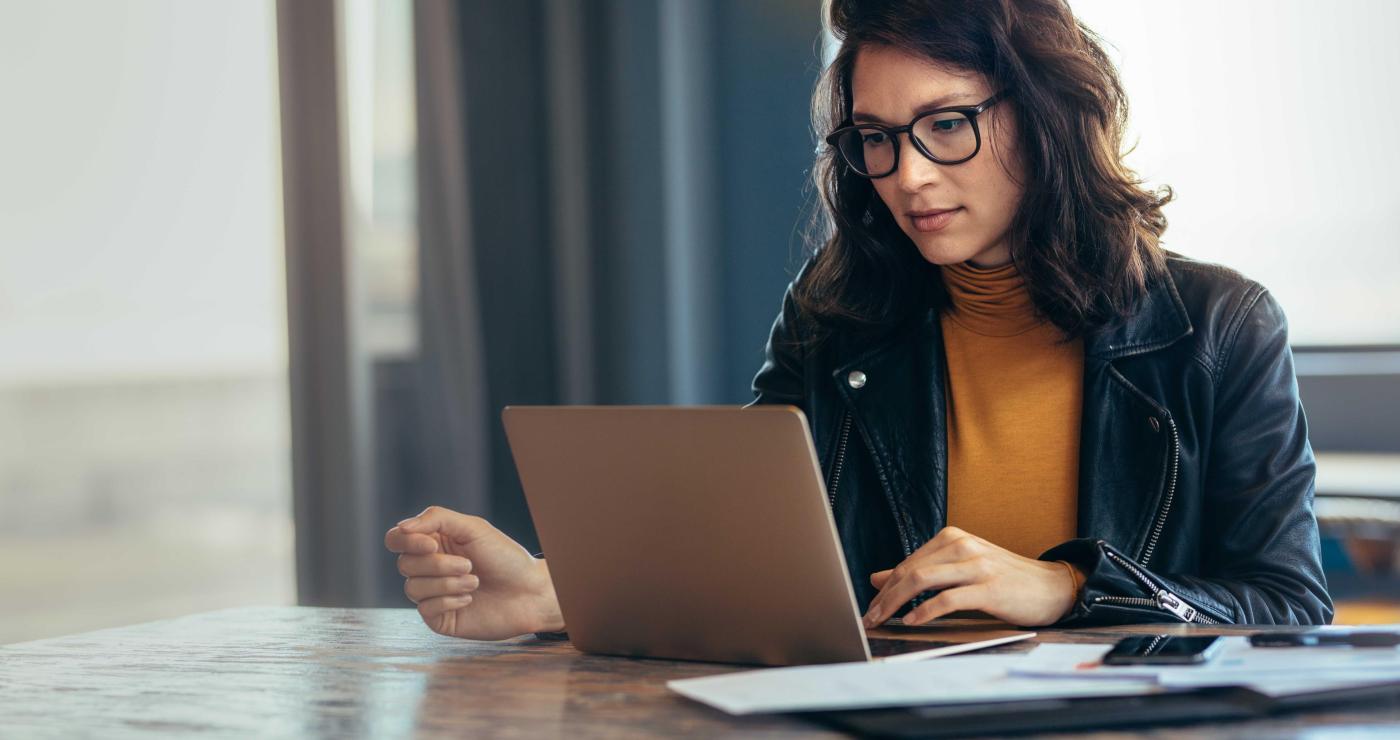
column 1161, row 597
column 836, row 468
column 1161, row 520
column 840, row 459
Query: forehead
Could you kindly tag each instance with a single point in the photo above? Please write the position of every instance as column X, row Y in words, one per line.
column 892, row 84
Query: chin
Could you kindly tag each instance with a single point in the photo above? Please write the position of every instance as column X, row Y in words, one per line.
column 943, row 248
column 942, row 251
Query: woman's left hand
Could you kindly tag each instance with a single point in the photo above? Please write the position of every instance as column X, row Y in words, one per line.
column 972, row 573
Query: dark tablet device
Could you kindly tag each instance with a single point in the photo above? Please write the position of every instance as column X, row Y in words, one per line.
column 1206, row 704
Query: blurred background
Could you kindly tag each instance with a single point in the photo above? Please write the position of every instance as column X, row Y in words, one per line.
column 269, row 270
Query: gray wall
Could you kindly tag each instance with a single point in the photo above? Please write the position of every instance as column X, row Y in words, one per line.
column 1351, row 396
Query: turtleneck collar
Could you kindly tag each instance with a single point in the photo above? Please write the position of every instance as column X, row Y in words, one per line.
column 991, row 301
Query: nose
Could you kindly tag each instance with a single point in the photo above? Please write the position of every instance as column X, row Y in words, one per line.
column 915, row 171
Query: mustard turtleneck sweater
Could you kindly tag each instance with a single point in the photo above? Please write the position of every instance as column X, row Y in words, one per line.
column 1014, row 391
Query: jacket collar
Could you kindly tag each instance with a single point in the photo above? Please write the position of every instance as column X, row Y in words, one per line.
column 1159, row 320
column 894, row 391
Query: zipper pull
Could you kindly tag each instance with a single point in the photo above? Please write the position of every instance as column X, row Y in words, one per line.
column 1172, row 603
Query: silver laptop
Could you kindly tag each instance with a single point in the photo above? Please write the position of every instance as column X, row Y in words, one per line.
column 697, row 533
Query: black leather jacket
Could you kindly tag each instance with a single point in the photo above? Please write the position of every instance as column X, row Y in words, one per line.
column 1196, row 476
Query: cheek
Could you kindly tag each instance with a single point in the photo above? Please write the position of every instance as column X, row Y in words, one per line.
column 1005, row 177
column 993, row 190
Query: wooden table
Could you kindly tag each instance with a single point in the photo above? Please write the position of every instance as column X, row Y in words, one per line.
column 283, row 671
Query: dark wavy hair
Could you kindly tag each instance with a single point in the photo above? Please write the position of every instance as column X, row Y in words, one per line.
column 1086, row 234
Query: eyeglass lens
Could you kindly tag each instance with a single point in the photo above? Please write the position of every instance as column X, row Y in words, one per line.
column 948, row 136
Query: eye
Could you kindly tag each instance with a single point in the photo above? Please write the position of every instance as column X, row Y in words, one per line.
column 949, row 125
column 873, row 138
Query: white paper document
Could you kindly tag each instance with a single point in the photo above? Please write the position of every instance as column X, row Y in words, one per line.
column 1050, row 671
column 953, row 680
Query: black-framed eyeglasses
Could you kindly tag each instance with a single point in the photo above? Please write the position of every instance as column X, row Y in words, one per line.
column 944, row 135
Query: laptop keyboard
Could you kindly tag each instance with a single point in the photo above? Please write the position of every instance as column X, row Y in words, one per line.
column 883, row 647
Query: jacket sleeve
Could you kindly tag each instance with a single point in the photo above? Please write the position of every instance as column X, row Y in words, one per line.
column 1260, row 556
column 780, row 378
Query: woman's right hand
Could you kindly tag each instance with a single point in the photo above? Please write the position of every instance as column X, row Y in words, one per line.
column 470, row 580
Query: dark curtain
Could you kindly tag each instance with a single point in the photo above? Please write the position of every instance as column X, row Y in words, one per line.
column 610, row 202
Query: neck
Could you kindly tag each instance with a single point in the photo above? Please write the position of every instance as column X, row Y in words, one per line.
column 992, row 301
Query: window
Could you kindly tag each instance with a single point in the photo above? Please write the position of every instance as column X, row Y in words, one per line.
column 1274, row 122
column 144, row 451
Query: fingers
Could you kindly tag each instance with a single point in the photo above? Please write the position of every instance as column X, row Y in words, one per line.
column 458, row 526
column 950, row 544
column 947, row 602
column 421, row 589
column 433, row 608
column 435, row 564
column 906, row 581
column 928, row 568
column 398, row 540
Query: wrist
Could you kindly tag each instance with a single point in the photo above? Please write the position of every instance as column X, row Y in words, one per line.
column 1076, row 583
column 550, row 618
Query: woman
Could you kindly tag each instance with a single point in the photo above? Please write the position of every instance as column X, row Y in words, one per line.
column 1024, row 405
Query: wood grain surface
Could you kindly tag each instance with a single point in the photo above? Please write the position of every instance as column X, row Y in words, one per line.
column 282, row 671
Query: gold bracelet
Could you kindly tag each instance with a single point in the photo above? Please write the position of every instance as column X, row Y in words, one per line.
column 1073, row 575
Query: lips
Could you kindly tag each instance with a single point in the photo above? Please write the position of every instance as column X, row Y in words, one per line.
column 933, row 219
column 930, row 212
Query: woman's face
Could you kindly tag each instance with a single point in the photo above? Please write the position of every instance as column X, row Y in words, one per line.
column 891, row 86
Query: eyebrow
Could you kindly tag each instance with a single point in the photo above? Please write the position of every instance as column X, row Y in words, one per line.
column 938, row 102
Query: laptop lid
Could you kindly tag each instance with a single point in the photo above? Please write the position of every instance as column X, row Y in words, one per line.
column 696, row 533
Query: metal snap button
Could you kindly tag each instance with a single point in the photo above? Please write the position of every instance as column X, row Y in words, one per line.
column 856, row 379
column 1156, row 425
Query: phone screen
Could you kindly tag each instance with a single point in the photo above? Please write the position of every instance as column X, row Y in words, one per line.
column 1161, row 649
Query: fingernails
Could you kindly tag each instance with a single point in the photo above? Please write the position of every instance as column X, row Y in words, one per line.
column 407, row 523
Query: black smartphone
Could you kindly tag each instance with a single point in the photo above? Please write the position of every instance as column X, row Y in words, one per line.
column 1162, row 650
